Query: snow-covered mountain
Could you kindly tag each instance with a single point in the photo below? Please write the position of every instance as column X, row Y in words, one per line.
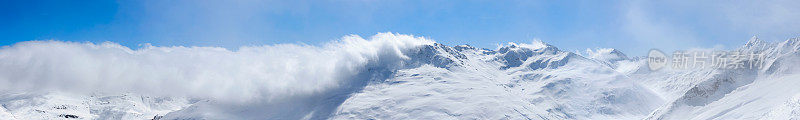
column 387, row 76
column 767, row 93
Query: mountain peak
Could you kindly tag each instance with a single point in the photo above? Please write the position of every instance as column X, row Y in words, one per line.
column 463, row 47
column 606, row 54
column 791, row 43
column 755, row 45
column 537, row 44
column 754, row 41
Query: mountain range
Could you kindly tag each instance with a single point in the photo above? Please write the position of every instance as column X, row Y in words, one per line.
column 388, row 76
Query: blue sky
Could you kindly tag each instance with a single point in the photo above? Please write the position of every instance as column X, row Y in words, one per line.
column 631, row 26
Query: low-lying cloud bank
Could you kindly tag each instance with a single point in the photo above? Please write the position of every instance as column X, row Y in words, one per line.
column 250, row 73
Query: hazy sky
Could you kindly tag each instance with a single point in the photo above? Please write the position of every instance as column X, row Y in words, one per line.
column 631, row 26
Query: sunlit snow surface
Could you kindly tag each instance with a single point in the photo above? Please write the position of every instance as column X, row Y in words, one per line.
column 386, row 76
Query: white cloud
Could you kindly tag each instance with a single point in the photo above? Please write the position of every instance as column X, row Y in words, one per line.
column 649, row 31
column 250, row 73
column 675, row 25
column 773, row 19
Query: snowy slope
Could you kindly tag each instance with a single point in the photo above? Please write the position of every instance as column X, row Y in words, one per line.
column 516, row 82
column 387, row 76
column 766, row 93
column 56, row 105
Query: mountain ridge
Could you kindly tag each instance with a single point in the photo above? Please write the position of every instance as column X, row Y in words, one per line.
column 421, row 79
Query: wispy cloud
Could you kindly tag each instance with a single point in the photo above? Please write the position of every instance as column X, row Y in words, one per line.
column 673, row 25
column 648, row 30
column 770, row 19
